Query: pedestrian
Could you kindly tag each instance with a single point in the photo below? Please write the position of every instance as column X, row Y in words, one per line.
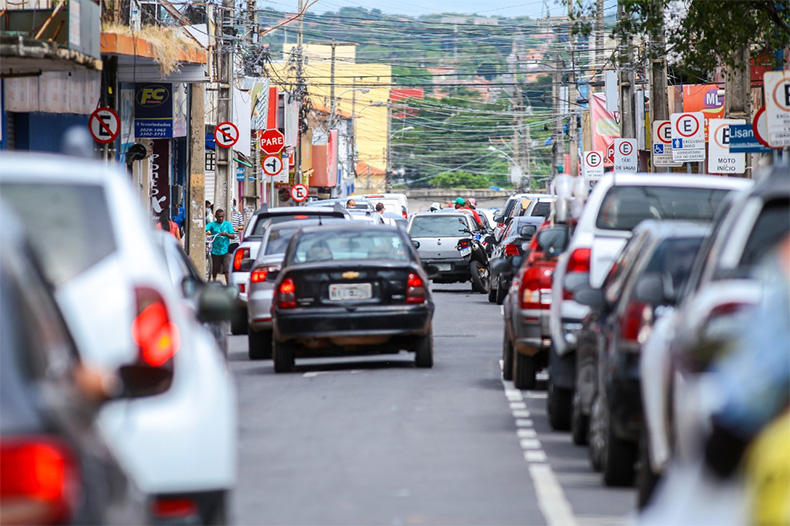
column 180, row 217
column 351, row 203
column 209, row 212
column 220, row 256
column 380, row 208
column 237, row 220
column 167, row 225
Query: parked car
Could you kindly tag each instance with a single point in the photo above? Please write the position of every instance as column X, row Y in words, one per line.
column 194, row 289
column 508, row 211
column 393, row 203
column 351, row 289
column 517, row 234
column 267, row 264
column 436, row 236
column 722, row 286
column 96, row 250
column 251, row 242
column 55, row 466
column 526, row 307
column 646, row 277
column 615, row 206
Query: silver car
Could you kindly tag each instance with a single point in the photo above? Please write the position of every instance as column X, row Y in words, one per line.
column 260, row 287
column 436, row 235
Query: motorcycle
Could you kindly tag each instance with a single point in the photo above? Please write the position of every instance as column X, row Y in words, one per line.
column 473, row 250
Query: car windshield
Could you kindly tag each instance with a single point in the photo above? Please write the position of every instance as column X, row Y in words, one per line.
column 278, row 240
column 350, row 245
column 260, row 226
column 70, row 223
column 674, row 258
column 437, row 226
column 543, row 209
column 624, row 207
column 771, row 226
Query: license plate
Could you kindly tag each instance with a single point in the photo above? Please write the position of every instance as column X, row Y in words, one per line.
column 443, row 267
column 545, row 298
column 465, row 251
column 350, row 291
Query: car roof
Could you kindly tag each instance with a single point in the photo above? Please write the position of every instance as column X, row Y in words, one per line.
column 46, row 167
column 285, row 210
column 444, row 211
column 668, row 228
column 675, row 180
column 345, row 226
column 305, row 223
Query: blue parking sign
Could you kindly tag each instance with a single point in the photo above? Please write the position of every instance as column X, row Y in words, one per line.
column 677, row 144
column 658, row 149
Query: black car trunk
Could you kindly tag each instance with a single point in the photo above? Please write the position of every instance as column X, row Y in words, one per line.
column 324, row 286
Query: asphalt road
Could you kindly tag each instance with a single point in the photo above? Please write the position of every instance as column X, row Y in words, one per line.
column 377, row 441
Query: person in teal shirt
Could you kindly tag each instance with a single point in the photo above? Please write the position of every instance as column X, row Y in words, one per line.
column 220, row 257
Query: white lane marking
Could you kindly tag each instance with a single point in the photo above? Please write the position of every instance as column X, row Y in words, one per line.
column 526, row 433
column 529, row 443
column 533, row 394
column 551, row 498
column 313, row 374
column 518, row 405
column 523, row 422
column 502, row 310
column 535, row 456
column 521, row 414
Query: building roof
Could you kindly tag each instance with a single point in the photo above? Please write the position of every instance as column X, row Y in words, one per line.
column 366, row 169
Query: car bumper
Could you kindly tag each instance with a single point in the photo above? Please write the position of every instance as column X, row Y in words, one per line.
column 625, row 397
column 449, row 269
column 532, row 334
column 239, row 280
column 259, row 309
column 333, row 324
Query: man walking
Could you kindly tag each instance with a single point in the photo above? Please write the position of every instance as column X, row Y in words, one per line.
column 220, row 256
column 237, row 220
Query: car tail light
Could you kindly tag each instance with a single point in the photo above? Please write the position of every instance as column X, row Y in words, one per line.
column 286, row 294
column 239, row 256
column 463, row 243
column 404, row 214
column 415, row 289
column 174, row 508
column 531, row 292
column 154, row 333
column 260, row 274
column 635, row 324
column 579, row 260
column 39, row 481
column 511, row 249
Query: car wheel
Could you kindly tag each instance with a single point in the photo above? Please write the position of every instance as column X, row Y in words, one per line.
column 423, row 352
column 259, row 344
column 501, row 292
column 492, row 294
column 646, row 478
column 507, row 360
column 523, row 371
column 595, row 436
column 617, row 456
column 579, row 422
column 283, row 356
column 479, row 275
column 558, row 407
column 238, row 322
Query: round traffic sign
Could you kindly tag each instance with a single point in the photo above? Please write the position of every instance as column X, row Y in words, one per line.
column 661, row 133
column 104, row 125
column 272, row 165
column 625, row 148
column 593, row 159
column 299, row 192
column 272, row 141
column 226, row 134
column 760, row 127
column 780, row 93
column 692, row 120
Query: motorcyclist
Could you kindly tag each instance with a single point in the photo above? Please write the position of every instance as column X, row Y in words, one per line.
column 435, row 206
column 460, row 204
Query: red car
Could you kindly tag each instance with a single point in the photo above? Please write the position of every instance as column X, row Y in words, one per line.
column 526, row 308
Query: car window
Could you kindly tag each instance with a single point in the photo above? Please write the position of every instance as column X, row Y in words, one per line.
column 70, row 223
column 176, row 265
column 542, row 208
column 339, row 246
column 771, row 226
column 437, row 225
column 621, row 268
column 261, row 224
column 624, row 207
column 277, row 240
column 674, row 258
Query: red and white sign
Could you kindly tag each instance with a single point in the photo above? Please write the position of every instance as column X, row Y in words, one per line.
column 272, row 141
column 104, row 125
column 720, row 160
column 272, row 165
column 777, row 104
column 625, row 157
column 609, row 153
column 760, row 127
column 299, row 193
column 593, row 164
column 662, row 144
column 688, row 136
column 226, row 134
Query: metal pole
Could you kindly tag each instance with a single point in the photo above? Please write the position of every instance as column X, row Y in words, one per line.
column 195, row 207
column 224, row 165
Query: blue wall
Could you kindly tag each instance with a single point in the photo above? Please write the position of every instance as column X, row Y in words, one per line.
column 43, row 132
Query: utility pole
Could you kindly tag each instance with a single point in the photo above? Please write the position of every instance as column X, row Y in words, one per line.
column 354, row 129
column 573, row 143
column 599, row 51
column 659, row 103
column 626, row 77
column 195, row 207
column 299, row 96
column 558, row 146
column 737, row 89
column 224, row 166
column 249, row 199
column 332, row 83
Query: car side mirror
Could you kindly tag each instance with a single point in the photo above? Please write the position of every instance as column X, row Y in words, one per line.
column 188, row 286
column 553, row 241
column 516, row 261
column 490, row 239
column 589, row 296
column 140, row 380
column 652, row 288
column 576, row 280
column 415, row 243
column 527, row 231
column 431, row 270
column 499, row 218
column 246, row 265
column 215, row 303
column 499, row 266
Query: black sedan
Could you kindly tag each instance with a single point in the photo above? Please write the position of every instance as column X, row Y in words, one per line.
column 351, row 289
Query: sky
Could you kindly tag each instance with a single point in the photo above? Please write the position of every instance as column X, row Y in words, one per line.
column 505, row 8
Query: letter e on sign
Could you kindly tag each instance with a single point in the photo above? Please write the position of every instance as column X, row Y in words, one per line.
column 299, row 192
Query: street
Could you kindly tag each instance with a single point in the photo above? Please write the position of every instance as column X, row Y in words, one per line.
column 373, row 440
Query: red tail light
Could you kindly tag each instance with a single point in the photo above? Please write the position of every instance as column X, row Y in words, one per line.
column 405, row 215
column 152, row 331
column 174, row 508
column 241, row 254
column 463, row 243
column 636, row 322
column 415, row 289
column 286, row 294
column 511, row 249
column 579, row 261
column 260, row 274
column 532, row 290
column 39, row 481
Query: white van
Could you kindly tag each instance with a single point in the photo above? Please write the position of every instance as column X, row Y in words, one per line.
column 393, row 203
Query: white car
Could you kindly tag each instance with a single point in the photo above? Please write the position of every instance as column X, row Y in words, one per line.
column 617, row 203
column 95, row 243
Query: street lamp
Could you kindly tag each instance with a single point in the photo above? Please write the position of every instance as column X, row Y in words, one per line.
column 518, row 170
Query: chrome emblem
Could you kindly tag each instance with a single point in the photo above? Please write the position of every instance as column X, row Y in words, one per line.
column 350, row 275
